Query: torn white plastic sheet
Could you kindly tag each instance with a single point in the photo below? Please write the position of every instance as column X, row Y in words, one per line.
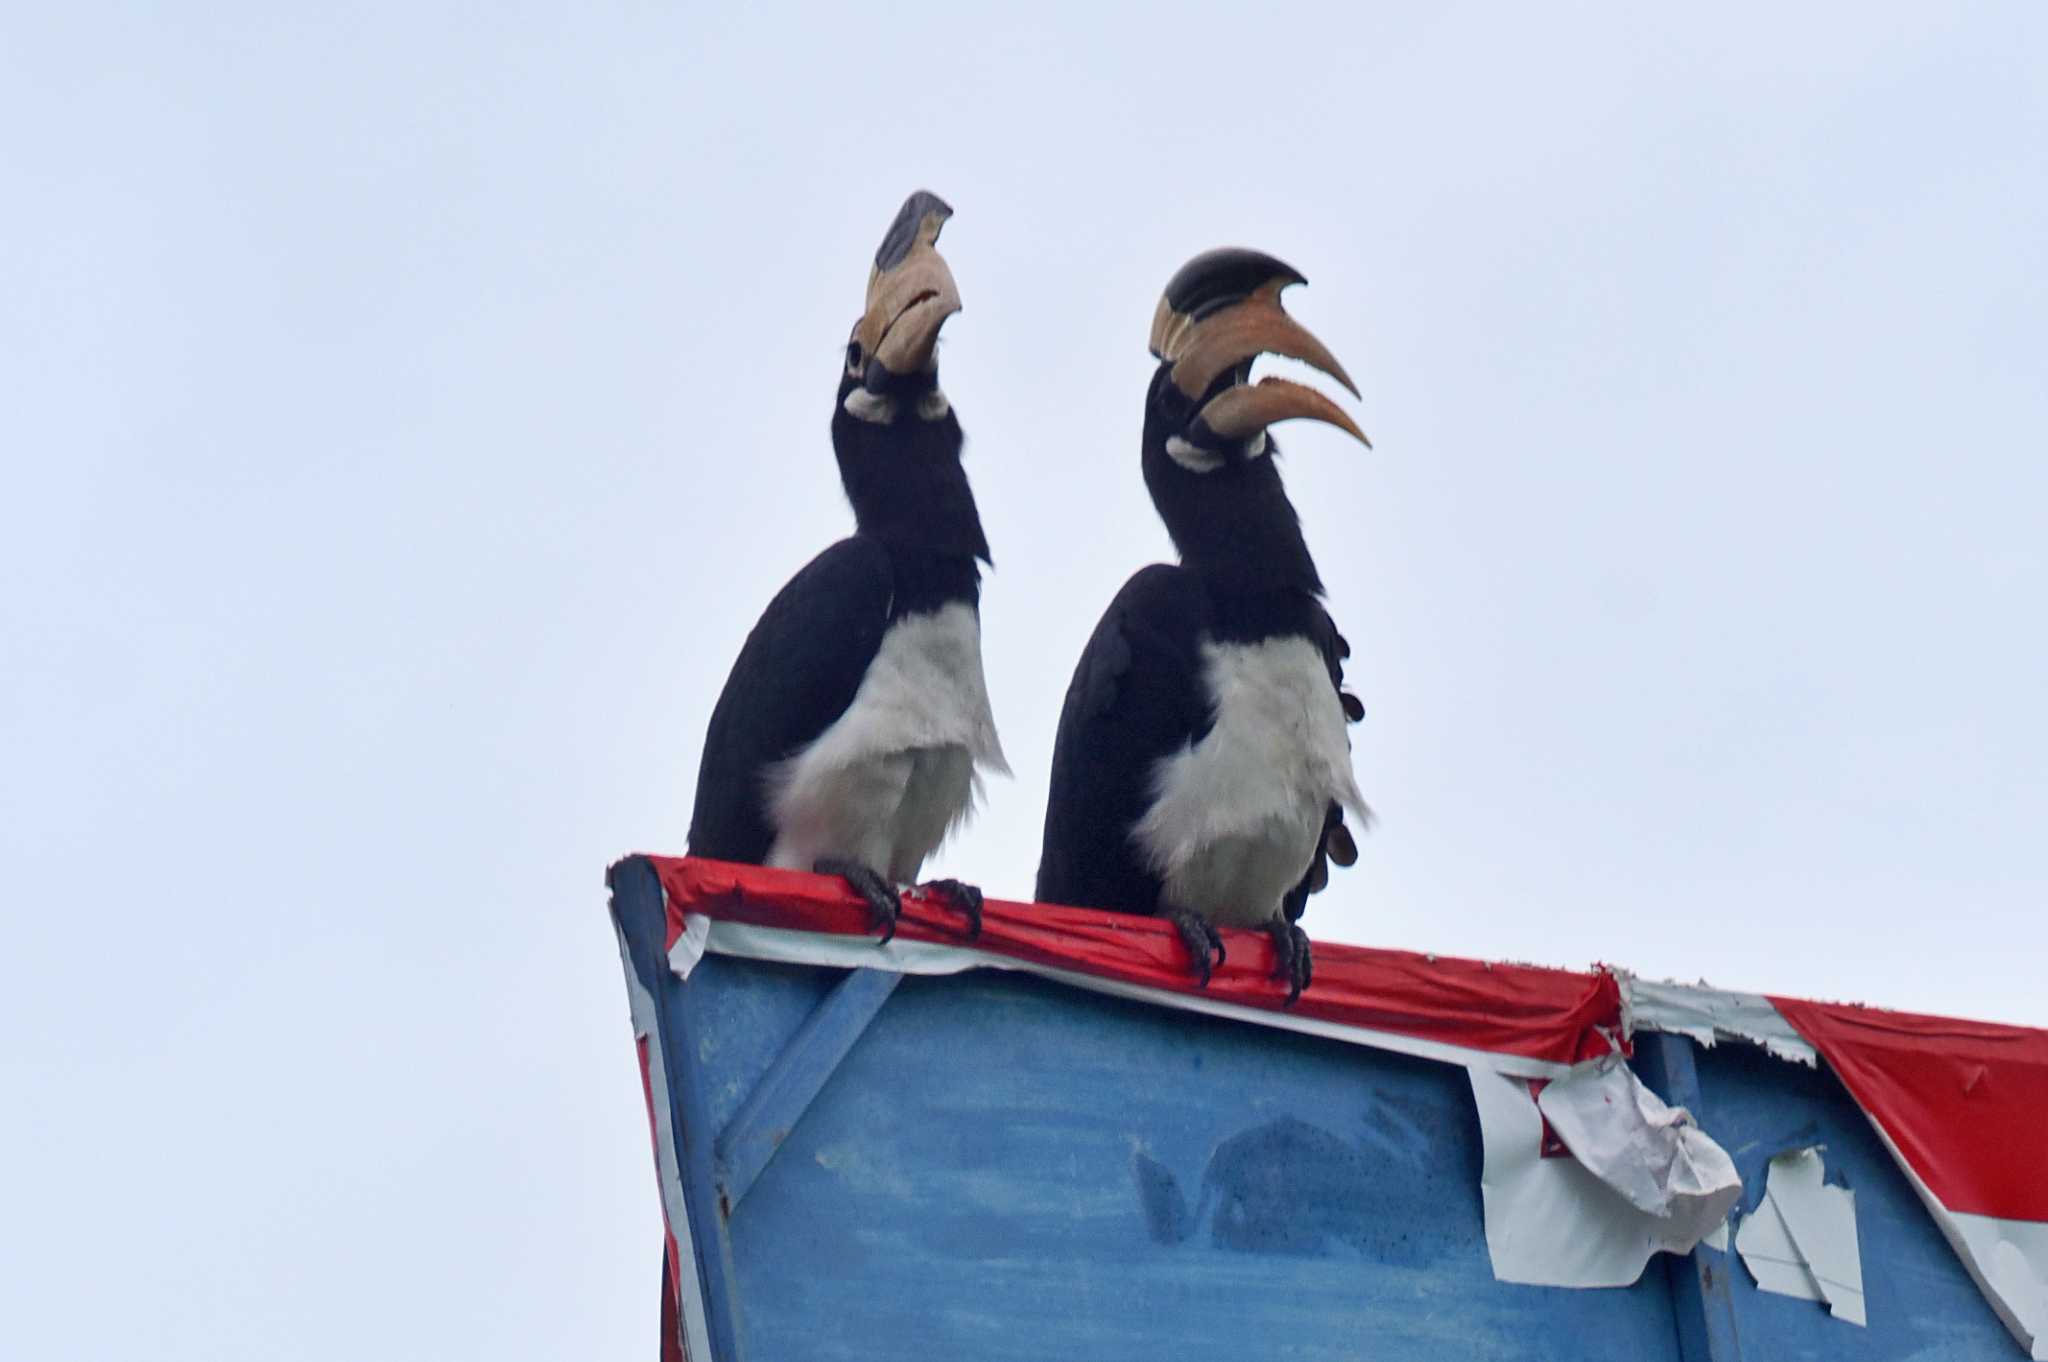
column 1652, row 1153
column 1640, row 1178
column 1801, row 1239
column 690, row 945
column 1707, row 1015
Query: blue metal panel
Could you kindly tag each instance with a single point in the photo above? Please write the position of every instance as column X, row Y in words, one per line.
column 778, row 1100
column 682, row 1019
column 1005, row 1168
column 1701, row 1288
column 755, row 1023
column 1919, row 1299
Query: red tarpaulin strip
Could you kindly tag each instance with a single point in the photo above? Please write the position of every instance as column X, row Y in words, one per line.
column 1965, row 1102
column 1547, row 1014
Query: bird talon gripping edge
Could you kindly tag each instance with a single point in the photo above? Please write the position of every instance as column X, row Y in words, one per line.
column 885, row 901
column 1201, row 940
column 1293, row 958
column 1202, row 766
column 964, row 898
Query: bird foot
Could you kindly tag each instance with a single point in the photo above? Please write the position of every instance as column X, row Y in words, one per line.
column 1293, row 960
column 964, row 898
column 885, row 904
column 1201, row 941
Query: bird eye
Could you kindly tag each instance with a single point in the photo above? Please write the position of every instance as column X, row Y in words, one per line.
column 853, row 357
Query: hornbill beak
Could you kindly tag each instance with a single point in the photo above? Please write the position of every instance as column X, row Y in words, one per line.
column 910, row 294
column 1220, row 312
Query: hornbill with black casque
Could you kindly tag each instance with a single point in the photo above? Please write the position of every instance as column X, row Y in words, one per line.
column 852, row 731
column 1202, row 769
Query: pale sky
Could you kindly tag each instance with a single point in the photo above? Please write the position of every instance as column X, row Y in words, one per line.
column 410, row 410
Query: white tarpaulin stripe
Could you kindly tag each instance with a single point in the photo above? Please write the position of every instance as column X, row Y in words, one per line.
column 1707, row 1015
column 2008, row 1259
column 931, row 957
column 667, row 1167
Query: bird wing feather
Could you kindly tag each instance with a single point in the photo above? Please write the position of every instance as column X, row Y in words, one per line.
column 796, row 674
column 1136, row 696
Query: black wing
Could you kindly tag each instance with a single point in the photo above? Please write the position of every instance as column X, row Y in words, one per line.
column 795, row 676
column 1137, row 695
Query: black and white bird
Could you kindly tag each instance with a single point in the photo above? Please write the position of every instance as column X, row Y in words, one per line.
column 852, row 732
column 1202, row 769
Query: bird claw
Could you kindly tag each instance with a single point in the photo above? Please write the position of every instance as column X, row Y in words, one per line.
column 965, row 899
column 1293, row 958
column 1201, row 941
column 1339, row 845
column 885, row 903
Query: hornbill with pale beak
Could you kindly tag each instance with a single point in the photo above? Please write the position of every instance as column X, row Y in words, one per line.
column 1202, row 769
column 851, row 733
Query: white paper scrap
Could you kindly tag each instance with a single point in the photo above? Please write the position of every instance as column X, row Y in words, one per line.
column 1801, row 1240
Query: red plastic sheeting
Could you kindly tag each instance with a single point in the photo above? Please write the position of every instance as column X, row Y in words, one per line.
column 1548, row 1014
column 1965, row 1102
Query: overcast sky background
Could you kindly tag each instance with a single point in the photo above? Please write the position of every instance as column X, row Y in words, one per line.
column 408, row 411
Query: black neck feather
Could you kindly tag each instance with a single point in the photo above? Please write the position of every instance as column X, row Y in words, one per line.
column 906, row 483
column 1234, row 524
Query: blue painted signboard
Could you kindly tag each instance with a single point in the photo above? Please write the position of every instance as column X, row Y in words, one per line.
column 994, row 1166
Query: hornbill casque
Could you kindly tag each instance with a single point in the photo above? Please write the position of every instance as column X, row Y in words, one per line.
column 1202, row 769
column 851, row 734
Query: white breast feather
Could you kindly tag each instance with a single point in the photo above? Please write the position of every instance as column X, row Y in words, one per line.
column 901, row 767
column 1236, row 817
